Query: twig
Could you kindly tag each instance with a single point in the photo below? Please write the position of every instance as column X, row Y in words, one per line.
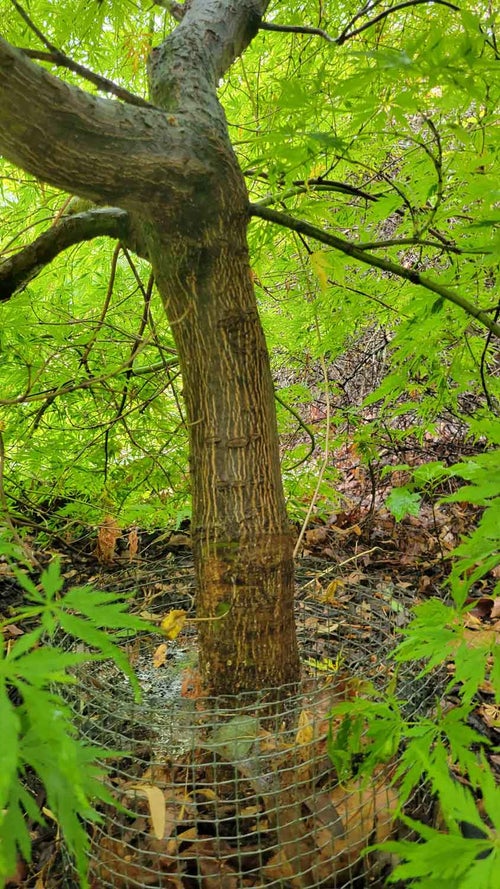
column 296, row 29
column 317, row 185
column 299, row 419
column 326, row 456
column 104, row 310
column 65, row 389
column 490, row 401
column 332, row 567
column 59, row 58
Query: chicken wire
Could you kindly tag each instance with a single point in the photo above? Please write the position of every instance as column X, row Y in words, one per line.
column 233, row 793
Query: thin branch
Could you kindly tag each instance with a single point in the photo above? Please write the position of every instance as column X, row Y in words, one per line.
column 350, row 249
column 296, row 29
column 373, row 298
column 437, row 162
column 84, row 358
column 301, row 187
column 422, row 242
column 346, row 34
column 326, row 453
column 303, row 425
column 60, row 59
column 17, row 271
column 72, row 386
column 492, row 402
column 104, row 311
column 386, row 12
column 6, row 517
column 138, row 339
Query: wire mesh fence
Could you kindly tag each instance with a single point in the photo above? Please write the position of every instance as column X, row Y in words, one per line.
column 225, row 794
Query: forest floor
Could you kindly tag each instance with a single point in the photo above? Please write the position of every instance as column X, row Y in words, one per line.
column 358, row 567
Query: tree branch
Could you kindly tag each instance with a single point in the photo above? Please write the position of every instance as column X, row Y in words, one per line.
column 350, row 249
column 306, row 429
column 443, row 246
column 72, row 386
column 296, row 29
column 346, row 34
column 97, row 148
column 57, row 57
column 18, row 270
column 302, row 187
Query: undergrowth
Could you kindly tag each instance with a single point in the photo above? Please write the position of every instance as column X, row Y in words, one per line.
column 39, row 740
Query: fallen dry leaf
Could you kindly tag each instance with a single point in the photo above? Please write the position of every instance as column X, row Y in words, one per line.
column 316, row 536
column 336, row 586
column 473, row 620
column 487, row 687
column 490, row 714
column 495, row 611
column 157, row 810
column 160, row 655
column 483, row 638
column 107, row 535
column 133, row 543
column 305, row 732
column 367, row 815
column 215, row 872
column 17, row 878
column 12, row 630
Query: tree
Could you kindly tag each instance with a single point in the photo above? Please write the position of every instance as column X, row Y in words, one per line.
column 168, row 184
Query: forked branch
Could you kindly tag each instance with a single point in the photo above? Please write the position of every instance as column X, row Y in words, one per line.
column 350, row 249
column 349, row 31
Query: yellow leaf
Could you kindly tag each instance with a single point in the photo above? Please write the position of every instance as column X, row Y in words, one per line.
column 321, row 266
column 173, row 623
column 48, row 813
column 333, row 588
column 326, row 665
column 305, row 733
column 150, row 616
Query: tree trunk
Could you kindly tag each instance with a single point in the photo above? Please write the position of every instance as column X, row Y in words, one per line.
column 241, row 534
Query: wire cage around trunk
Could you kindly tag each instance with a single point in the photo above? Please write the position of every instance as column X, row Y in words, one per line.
column 233, row 793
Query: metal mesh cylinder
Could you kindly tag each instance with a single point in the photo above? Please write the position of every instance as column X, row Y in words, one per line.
column 224, row 794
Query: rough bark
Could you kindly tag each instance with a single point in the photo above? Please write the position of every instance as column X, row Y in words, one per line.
column 17, row 271
column 176, row 173
column 241, row 534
